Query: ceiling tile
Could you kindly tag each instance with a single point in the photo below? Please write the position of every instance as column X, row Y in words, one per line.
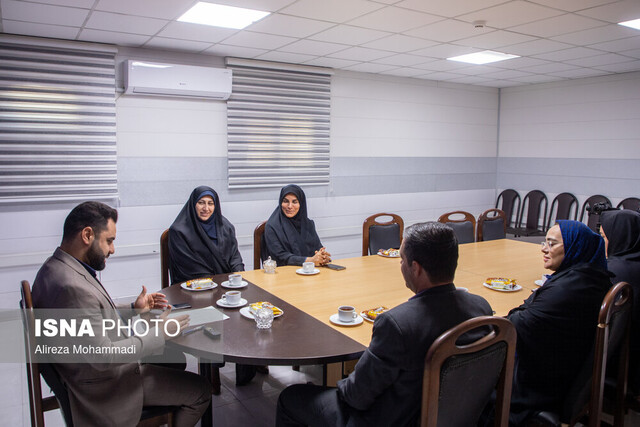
column 124, row 23
column 508, row 83
column 163, row 9
column 292, row 26
column 443, row 51
column 347, row 34
column 578, row 73
column 443, row 76
column 552, row 67
column 83, row 4
column 39, row 30
column 331, row 62
column 292, row 58
column 614, row 12
column 394, row 19
column 535, row 47
column 477, row 70
column 43, row 14
column 403, row 60
column 572, row 5
column 495, row 39
column 506, row 74
column 523, row 62
column 399, row 43
column 264, row 5
column 360, row 54
column 123, row 39
column 313, row 47
column 404, row 72
column 620, row 45
column 447, row 30
column 572, row 53
column 176, row 44
column 621, row 67
column 594, row 61
column 558, row 25
column 188, row 31
column 442, row 65
column 338, row 11
column 511, row 14
column 597, row 35
column 258, row 40
column 448, row 8
column 235, row 51
column 470, row 80
column 538, row 78
column 368, row 67
column 634, row 53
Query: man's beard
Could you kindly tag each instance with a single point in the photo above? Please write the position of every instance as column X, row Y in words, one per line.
column 95, row 258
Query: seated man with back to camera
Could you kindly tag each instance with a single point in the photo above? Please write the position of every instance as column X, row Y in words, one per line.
column 112, row 390
column 386, row 386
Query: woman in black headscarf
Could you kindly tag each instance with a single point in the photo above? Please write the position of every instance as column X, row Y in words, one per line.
column 290, row 237
column 201, row 241
column 556, row 324
column 621, row 233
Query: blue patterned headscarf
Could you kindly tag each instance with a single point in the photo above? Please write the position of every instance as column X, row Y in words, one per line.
column 581, row 245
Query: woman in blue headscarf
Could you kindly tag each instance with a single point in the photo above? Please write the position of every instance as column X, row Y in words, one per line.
column 202, row 242
column 556, row 324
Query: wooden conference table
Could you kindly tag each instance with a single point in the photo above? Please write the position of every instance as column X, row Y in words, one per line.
column 304, row 334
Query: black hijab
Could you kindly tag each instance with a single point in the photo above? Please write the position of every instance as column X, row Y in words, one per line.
column 202, row 248
column 297, row 233
column 622, row 229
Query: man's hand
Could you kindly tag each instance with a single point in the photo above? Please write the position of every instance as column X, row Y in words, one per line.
column 146, row 302
column 171, row 327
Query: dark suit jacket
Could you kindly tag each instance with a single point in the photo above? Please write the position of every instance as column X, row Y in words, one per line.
column 386, row 386
column 556, row 329
column 104, row 393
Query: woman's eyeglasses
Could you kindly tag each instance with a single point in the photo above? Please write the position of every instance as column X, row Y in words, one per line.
column 549, row 245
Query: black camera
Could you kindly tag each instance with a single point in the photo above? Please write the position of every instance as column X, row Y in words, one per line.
column 598, row 208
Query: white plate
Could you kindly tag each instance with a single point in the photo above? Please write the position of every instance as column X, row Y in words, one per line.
column 516, row 288
column 228, row 285
column 539, row 282
column 208, row 288
column 223, row 303
column 388, row 256
column 246, row 312
column 336, row 321
column 301, row 271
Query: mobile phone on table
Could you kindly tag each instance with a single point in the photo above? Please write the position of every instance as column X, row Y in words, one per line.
column 180, row 306
column 335, row 266
column 211, row 333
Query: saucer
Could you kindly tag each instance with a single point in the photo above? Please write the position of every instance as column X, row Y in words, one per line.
column 539, row 282
column 516, row 288
column 228, row 285
column 336, row 321
column 301, row 271
column 222, row 303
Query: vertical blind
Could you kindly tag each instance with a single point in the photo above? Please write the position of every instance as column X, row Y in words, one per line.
column 57, row 123
column 278, row 123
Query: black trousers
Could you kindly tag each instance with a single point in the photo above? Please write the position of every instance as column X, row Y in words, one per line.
column 311, row 405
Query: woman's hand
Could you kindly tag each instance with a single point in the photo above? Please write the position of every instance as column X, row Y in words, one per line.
column 321, row 257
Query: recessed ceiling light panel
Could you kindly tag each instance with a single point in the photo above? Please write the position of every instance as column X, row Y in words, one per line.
column 218, row 15
column 484, row 57
column 635, row 24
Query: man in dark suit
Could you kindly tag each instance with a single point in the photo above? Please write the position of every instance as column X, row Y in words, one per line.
column 386, row 386
column 111, row 390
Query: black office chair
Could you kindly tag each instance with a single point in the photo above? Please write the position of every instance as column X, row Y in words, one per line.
column 459, row 378
column 463, row 224
column 491, row 225
column 378, row 234
column 564, row 204
column 535, row 204
column 510, row 206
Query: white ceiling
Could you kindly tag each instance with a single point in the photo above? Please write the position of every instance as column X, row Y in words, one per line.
column 556, row 39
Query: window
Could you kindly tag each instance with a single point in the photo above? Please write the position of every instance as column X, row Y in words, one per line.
column 278, row 123
column 57, row 122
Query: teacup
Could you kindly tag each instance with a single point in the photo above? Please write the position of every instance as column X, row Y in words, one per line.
column 308, row 267
column 347, row 313
column 235, row 279
column 232, row 297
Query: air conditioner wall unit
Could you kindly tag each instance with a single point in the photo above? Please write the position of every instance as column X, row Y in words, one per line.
column 153, row 78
